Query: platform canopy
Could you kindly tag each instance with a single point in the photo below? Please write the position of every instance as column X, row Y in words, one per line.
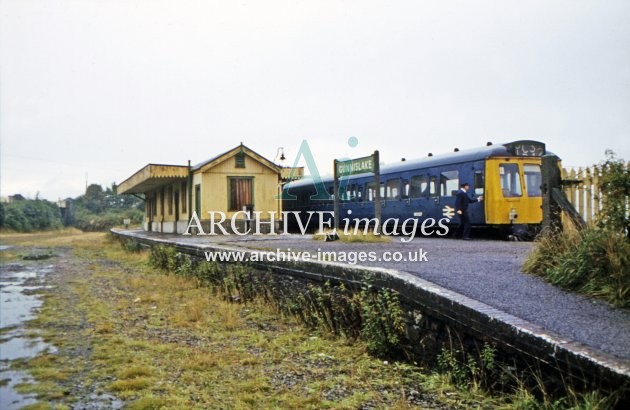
column 152, row 177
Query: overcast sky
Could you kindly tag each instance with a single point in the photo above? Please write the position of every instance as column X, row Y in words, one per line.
column 104, row 87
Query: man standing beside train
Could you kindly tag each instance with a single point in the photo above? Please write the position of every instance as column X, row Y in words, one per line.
column 461, row 208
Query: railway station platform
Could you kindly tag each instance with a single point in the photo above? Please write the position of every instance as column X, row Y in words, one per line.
column 483, row 275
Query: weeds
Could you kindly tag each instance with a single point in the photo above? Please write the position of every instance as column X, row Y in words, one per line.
column 383, row 325
column 169, row 342
column 594, row 261
column 464, row 369
column 374, row 315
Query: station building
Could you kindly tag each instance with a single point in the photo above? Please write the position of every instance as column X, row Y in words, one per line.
column 230, row 182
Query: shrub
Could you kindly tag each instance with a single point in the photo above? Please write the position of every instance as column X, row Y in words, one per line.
column 596, row 260
column 93, row 222
column 30, row 215
column 615, row 187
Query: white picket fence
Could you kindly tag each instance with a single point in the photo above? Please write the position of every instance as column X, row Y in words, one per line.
column 582, row 187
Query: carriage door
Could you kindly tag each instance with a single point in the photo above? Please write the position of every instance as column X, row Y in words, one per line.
column 476, row 210
column 449, row 185
column 418, row 192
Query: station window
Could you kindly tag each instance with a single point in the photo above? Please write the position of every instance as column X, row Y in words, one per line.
column 533, row 179
column 510, row 180
column 449, row 182
column 241, row 192
column 418, row 186
column 393, row 189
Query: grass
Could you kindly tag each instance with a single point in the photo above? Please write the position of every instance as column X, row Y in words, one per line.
column 594, row 261
column 157, row 340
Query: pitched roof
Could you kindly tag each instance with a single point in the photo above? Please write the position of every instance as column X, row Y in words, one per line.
column 240, row 148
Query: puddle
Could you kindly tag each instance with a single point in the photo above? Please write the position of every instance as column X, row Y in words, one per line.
column 5, row 247
column 19, row 302
column 9, row 398
column 18, row 347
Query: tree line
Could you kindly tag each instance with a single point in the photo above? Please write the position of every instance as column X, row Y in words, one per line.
column 97, row 210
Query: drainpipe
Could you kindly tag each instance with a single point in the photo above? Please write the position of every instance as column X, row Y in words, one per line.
column 190, row 191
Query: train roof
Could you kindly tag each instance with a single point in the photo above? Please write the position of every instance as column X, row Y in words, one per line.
column 469, row 155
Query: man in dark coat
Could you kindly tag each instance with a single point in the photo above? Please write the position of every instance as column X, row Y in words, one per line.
column 461, row 208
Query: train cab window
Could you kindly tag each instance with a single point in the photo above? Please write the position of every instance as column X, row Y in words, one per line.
column 449, row 182
column 393, row 189
column 418, row 186
column 533, row 179
column 510, row 180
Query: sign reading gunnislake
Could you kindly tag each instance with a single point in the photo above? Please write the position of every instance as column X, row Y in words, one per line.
column 356, row 166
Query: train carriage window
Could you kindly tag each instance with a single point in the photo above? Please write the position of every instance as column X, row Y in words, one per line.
column 478, row 183
column 347, row 194
column 350, row 192
column 370, row 191
column 359, row 193
column 533, row 179
column 433, row 186
column 393, row 189
column 418, row 186
column 510, row 180
column 449, row 182
column 382, row 191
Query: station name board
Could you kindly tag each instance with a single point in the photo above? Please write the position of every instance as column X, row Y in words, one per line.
column 356, row 166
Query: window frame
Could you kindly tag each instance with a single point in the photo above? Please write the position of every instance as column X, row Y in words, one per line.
column 230, row 206
column 538, row 192
column 446, row 182
column 513, row 181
